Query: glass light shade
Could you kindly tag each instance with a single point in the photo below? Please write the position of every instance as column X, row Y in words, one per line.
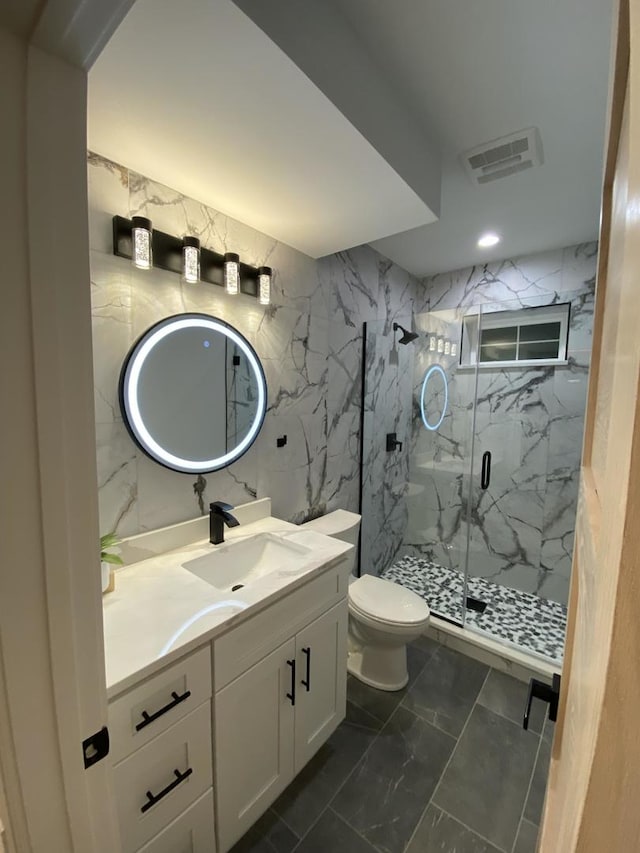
column 232, row 273
column 264, row 285
column 141, row 245
column 191, row 260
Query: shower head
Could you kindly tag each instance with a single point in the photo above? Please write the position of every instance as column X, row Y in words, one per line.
column 407, row 337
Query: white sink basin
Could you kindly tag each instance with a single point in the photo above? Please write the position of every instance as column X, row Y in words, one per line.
column 238, row 564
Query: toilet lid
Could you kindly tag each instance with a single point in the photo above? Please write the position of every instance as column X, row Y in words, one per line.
column 387, row 601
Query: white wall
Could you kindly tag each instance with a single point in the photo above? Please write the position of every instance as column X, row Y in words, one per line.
column 52, row 691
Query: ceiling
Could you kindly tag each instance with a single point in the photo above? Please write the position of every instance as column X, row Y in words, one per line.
column 345, row 124
column 477, row 71
column 196, row 96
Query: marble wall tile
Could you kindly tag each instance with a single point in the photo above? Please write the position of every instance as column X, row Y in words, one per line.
column 112, row 330
column 396, row 295
column 531, row 420
column 117, row 469
column 342, row 487
column 294, row 477
column 309, row 341
column 351, row 280
column 108, row 184
column 388, row 409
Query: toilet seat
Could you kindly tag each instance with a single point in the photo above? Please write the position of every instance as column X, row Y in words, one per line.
column 385, row 603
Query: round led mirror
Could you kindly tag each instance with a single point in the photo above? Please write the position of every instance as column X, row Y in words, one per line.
column 193, row 393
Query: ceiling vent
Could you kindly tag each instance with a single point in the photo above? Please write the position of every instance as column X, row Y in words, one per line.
column 504, row 156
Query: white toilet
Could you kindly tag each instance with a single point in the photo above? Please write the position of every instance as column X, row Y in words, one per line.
column 383, row 616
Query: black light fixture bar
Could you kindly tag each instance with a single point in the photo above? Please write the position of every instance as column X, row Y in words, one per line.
column 167, row 255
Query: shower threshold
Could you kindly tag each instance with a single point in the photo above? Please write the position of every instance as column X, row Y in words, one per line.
column 516, row 619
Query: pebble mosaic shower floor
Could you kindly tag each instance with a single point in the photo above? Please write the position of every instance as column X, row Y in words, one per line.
column 530, row 623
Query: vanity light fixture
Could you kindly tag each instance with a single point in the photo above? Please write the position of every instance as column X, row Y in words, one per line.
column 232, row 273
column 191, row 260
column 141, row 244
column 146, row 247
column 488, row 240
column 264, row 285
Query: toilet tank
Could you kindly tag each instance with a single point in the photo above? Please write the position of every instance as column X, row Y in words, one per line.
column 341, row 524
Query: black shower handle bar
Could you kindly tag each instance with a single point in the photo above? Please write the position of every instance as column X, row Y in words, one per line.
column 485, row 474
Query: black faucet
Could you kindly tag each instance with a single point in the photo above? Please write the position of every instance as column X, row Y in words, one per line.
column 219, row 515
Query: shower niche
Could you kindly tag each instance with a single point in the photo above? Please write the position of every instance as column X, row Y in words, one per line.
column 476, row 510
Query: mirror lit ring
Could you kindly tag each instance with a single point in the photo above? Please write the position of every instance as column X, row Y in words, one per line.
column 130, row 376
column 435, row 368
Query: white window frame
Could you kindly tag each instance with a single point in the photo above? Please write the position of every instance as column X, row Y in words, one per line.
column 470, row 344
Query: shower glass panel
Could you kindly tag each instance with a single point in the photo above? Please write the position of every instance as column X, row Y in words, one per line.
column 387, row 411
column 472, row 438
column 439, row 469
column 529, row 414
column 415, row 497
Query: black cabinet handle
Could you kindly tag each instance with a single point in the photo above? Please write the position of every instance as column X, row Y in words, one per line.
column 292, row 695
column 155, row 798
column 548, row 693
column 485, row 476
column 306, row 682
column 149, row 718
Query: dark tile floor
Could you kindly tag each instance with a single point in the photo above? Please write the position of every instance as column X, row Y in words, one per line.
column 443, row 765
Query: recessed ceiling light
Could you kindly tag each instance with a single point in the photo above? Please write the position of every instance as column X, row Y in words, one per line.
column 488, row 240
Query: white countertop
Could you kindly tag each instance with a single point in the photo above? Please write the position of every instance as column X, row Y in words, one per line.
column 161, row 611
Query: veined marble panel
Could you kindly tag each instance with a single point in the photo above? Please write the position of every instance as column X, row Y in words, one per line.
column 294, row 476
column 387, row 409
column 309, row 340
column 350, row 281
column 112, row 331
column 530, row 418
column 117, row 469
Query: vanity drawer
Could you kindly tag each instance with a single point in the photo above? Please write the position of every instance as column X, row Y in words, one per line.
column 175, row 768
column 249, row 642
column 192, row 832
column 138, row 716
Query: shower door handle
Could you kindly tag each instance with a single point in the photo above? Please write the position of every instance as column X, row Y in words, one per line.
column 485, row 474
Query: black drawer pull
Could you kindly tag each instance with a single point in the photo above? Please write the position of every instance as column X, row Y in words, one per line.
column 149, row 718
column 292, row 695
column 155, row 798
column 306, row 682
column 485, row 475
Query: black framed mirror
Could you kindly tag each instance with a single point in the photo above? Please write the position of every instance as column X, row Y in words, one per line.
column 193, row 393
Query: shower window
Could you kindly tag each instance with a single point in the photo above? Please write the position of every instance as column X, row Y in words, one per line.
column 529, row 335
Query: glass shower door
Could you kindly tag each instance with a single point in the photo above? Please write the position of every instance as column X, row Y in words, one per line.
column 524, row 405
column 435, row 544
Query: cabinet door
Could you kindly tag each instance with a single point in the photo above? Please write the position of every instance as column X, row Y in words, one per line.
column 254, row 722
column 321, row 652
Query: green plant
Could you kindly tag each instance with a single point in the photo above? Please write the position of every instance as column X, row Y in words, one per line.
column 108, row 541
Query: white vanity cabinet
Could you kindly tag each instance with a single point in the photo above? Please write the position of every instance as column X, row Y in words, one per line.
column 160, row 732
column 271, row 719
column 202, row 748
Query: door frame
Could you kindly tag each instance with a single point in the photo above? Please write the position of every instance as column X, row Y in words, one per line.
column 52, row 673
